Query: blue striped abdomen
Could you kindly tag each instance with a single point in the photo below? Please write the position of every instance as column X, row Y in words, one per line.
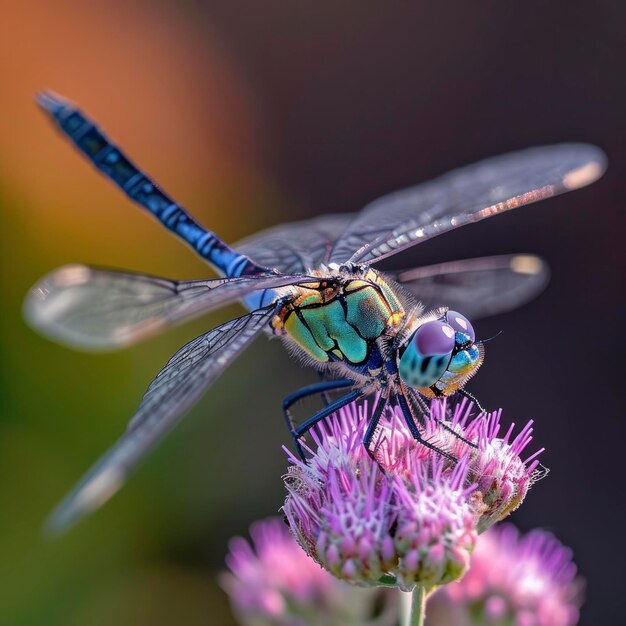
column 116, row 166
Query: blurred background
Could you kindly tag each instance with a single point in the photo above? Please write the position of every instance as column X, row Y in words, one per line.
column 255, row 113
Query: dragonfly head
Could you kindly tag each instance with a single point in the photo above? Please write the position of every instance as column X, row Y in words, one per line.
column 441, row 355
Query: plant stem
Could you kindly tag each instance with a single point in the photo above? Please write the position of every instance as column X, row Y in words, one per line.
column 418, row 607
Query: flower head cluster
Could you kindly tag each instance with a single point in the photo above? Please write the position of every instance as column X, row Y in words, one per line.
column 501, row 475
column 404, row 514
column 272, row 582
column 523, row 580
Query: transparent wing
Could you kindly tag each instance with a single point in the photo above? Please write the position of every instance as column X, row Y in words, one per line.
column 103, row 309
column 176, row 388
column 407, row 217
column 297, row 246
column 478, row 287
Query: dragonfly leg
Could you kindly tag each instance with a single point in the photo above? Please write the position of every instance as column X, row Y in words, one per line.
column 301, row 430
column 310, row 390
column 305, row 392
column 372, row 427
column 453, row 432
column 469, row 396
column 324, row 394
column 423, row 407
column 428, row 413
column 410, row 422
column 139, row 187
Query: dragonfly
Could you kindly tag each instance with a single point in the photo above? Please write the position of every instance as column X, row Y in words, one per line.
column 396, row 336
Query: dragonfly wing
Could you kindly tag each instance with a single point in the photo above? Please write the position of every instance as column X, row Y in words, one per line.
column 98, row 309
column 297, row 246
column 407, row 217
column 478, row 287
column 176, row 388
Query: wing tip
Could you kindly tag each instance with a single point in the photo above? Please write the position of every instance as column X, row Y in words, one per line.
column 584, row 175
column 64, row 276
column 58, row 523
column 593, row 162
column 528, row 264
column 43, row 312
column 33, row 308
column 86, row 498
column 535, row 268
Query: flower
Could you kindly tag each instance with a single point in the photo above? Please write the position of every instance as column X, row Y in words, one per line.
column 410, row 516
column 502, row 477
column 272, row 582
column 514, row 580
column 434, row 534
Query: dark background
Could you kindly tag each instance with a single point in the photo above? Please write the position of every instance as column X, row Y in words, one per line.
column 256, row 113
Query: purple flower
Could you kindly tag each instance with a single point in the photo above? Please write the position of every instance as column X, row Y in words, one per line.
column 272, row 582
column 513, row 580
column 415, row 522
column 434, row 531
column 501, row 475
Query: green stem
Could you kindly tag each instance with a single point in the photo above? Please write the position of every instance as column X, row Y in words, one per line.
column 418, row 607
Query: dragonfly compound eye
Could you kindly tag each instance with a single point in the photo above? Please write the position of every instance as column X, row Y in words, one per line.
column 461, row 325
column 427, row 354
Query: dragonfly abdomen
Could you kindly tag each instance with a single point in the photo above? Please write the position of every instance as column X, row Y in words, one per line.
column 115, row 165
column 340, row 321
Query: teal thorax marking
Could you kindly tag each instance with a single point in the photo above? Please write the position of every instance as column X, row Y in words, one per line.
column 340, row 321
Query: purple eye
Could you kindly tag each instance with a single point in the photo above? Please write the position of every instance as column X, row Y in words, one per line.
column 461, row 324
column 434, row 338
column 427, row 355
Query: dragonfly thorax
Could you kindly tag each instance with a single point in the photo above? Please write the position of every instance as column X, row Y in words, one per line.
column 340, row 318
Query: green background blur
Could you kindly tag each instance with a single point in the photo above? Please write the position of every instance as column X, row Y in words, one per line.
column 251, row 114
